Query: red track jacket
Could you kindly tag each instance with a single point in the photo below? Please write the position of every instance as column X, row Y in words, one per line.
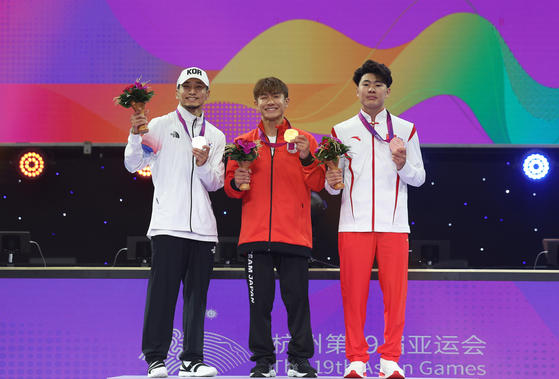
column 276, row 213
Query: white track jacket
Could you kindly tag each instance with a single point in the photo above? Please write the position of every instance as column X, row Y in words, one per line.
column 376, row 194
column 181, row 204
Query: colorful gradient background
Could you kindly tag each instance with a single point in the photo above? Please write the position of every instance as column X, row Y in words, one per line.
column 466, row 72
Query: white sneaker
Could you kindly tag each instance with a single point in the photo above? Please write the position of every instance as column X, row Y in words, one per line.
column 157, row 369
column 390, row 369
column 196, row 368
column 356, row 369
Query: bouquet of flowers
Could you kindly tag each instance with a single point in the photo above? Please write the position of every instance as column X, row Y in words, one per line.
column 136, row 96
column 329, row 152
column 244, row 153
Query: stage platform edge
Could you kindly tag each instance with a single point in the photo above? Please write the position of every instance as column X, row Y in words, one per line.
column 246, row 376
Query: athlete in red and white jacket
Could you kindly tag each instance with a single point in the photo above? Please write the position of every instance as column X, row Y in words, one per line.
column 384, row 158
column 370, row 166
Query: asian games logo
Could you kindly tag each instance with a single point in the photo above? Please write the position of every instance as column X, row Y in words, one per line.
column 220, row 352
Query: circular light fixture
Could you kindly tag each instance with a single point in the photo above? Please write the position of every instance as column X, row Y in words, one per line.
column 31, row 164
column 536, row 166
column 145, row 172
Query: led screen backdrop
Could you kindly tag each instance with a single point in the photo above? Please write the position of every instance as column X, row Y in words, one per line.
column 91, row 329
column 466, row 72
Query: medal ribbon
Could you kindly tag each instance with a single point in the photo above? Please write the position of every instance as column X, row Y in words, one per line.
column 202, row 132
column 264, row 139
column 374, row 132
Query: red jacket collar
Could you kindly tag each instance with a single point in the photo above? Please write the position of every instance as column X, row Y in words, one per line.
column 281, row 128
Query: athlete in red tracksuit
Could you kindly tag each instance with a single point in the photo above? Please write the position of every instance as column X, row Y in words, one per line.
column 276, row 229
column 384, row 158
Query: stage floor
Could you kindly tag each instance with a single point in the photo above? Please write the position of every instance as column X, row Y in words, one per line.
column 370, row 376
column 87, row 323
column 245, row 376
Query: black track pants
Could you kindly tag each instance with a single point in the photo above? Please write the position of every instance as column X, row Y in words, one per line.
column 294, row 286
column 174, row 260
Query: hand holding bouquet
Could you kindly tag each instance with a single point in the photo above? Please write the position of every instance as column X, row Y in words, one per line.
column 243, row 152
column 329, row 152
column 136, row 96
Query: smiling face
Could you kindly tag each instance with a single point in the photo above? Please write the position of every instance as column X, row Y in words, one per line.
column 272, row 106
column 192, row 95
column 372, row 93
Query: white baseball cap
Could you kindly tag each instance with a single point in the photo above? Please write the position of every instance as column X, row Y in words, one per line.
column 193, row 72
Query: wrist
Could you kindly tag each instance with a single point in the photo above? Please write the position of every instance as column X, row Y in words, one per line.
column 307, row 161
column 132, row 131
column 234, row 185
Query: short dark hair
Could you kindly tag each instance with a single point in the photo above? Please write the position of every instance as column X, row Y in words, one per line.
column 269, row 85
column 377, row 69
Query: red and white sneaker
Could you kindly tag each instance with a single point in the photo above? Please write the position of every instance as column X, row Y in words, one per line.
column 356, row 369
column 390, row 369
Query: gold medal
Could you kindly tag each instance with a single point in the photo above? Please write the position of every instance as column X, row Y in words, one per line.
column 290, row 135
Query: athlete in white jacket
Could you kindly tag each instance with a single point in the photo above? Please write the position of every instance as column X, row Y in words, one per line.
column 384, row 158
column 183, row 228
column 181, row 204
column 376, row 194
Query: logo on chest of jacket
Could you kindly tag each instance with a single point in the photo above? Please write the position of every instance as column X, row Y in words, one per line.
column 174, row 134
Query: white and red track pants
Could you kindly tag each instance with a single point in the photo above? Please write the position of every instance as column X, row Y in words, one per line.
column 357, row 254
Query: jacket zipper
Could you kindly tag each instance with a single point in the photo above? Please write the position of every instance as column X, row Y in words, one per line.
column 271, row 192
column 192, row 179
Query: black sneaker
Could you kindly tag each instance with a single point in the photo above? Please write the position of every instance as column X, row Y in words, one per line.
column 157, row 369
column 196, row 368
column 300, row 368
column 263, row 369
